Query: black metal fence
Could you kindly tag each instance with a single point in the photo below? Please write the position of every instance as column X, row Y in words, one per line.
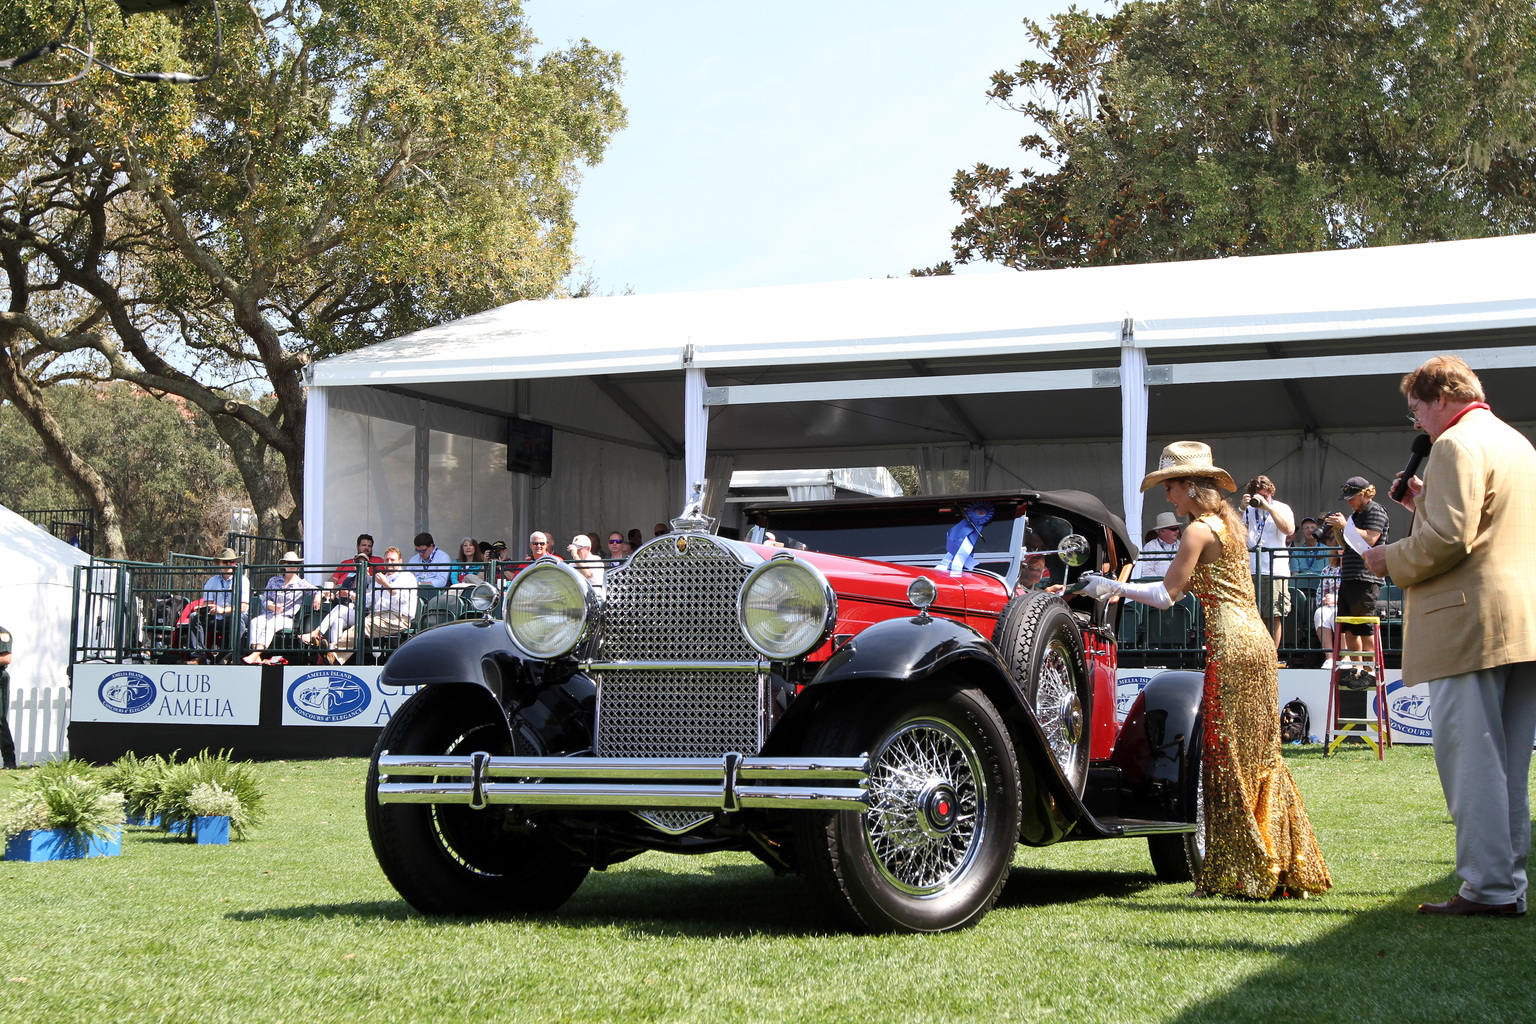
column 1175, row 638
column 74, row 526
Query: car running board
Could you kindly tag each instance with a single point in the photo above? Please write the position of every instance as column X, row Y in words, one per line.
column 1090, row 827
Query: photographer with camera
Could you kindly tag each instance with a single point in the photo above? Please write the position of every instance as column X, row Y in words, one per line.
column 1270, row 524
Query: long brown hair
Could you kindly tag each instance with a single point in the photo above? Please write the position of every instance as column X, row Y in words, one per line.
column 1207, row 499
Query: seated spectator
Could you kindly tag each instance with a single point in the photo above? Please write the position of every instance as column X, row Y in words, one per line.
column 584, row 562
column 538, row 546
column 1161, row 548
column 659, row 529
column 280, row 602
column 393, row 599
column 1327, row 600
column 468, row 562
column 344, row 579
column 636, row 538
column 618, row 547
column 1307, row 558
column 430, row 564
column 218, row 609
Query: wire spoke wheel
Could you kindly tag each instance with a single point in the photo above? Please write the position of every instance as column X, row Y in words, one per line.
column 927, row 807
column 1058, row 708
column 935, row 846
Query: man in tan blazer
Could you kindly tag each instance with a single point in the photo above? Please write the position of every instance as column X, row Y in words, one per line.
column 1470, row 626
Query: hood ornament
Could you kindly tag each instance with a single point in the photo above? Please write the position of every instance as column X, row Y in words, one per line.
column 693, row 519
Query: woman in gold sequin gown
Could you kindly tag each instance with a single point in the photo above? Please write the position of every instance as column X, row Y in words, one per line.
column 1258, row 841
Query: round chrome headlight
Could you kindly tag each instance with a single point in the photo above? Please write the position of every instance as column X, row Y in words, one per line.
column 482, row 597
column 546, row 609
column 785, row 607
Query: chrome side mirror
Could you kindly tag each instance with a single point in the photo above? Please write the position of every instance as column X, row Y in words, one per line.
column 1073, row 549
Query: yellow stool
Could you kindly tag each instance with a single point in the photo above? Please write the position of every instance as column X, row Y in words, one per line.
column 1339, row 727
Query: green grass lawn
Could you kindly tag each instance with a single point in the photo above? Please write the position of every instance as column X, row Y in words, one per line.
column 298, row 924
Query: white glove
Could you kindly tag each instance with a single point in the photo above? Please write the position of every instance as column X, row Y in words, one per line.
column 1154, row 593
column 1101, row 588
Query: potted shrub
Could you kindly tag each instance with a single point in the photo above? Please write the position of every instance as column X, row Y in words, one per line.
column 62, row 811
column 139, row 779
column 210, row 786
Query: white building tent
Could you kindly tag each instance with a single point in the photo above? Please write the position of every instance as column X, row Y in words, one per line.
column 36, row 600
column 1287, row 365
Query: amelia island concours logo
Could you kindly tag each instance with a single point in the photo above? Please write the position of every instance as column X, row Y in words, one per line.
column 126, row 692
column 329, row 695
column 1408, row 710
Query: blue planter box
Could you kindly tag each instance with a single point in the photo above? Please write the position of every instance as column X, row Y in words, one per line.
column 153, row 821
column 61, row 844
column 211, row 829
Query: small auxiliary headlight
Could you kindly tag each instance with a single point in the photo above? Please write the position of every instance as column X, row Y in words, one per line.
column 546, row 609
column 922, row 593
column 786, row 608
column 482, row 597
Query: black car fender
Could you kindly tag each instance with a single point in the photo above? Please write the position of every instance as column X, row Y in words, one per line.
column 1158, row 747
column 549, row 706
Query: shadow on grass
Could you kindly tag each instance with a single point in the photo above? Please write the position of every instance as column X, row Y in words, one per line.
column 1387, row 964
column 729, row 900
column 1049, row 887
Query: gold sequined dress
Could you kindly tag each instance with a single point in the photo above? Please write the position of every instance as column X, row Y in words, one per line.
column 1258, row 841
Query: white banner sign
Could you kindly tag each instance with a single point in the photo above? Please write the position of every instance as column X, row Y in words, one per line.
column 167, row 694
column 1407, row 710
column 339, row 696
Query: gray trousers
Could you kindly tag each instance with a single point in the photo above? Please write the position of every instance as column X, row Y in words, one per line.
column 1484, row 726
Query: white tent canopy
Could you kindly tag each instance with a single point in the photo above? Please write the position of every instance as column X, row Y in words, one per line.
column 36, row 606
column 1044, row 379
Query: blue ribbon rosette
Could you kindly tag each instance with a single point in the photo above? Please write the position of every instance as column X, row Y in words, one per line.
column 964, row 536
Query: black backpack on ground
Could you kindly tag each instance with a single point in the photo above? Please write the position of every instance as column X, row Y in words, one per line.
column 1295, row 722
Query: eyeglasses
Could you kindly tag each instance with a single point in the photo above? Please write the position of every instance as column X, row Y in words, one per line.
column 538, row 543
column 615, row 540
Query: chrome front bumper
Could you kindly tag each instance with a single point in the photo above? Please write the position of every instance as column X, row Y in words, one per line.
column 730, row 783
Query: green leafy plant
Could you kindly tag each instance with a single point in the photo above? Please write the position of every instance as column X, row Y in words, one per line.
column 140, row 780
column 65, row 795
column 206, row 775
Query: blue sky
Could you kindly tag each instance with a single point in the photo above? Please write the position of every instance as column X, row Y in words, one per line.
column 787, row 143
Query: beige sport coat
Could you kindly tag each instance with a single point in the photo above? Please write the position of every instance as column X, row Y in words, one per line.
column 1468, row 567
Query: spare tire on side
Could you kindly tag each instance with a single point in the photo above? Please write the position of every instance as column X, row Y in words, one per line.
column 1042, row 646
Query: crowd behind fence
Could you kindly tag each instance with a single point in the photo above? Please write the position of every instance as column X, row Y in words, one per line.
column 134, row 612
column 1175, row 637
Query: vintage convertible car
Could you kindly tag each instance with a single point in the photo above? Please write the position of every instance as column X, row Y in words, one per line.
column 873, row 700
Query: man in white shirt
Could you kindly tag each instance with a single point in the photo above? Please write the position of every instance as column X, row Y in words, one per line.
column 1161, row 548
column 1270, row 524
column 393, row 599
column 423, row 564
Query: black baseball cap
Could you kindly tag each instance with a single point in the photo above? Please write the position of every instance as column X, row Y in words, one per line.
column 1354, row 485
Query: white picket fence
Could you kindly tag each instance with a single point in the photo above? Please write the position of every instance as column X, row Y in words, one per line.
column 40, row 723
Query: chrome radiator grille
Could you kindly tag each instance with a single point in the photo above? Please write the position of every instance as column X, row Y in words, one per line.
column 675, row 606
column 671, row 605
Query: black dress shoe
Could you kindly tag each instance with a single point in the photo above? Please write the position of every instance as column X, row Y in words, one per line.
column 1458, row 907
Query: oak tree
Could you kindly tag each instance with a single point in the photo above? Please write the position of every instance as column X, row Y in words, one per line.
column 354, row 170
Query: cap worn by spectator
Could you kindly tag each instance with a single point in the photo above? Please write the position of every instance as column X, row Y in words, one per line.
column 292, row 556
column 1354, row 485
column 1167, row 521
column 228, row 555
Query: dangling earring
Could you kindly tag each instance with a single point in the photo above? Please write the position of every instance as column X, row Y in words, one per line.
column 1192, row 492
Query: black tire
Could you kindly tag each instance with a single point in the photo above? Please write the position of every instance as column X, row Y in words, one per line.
column 929, row 855
column 451, row 859
column 1042, row 646
column 1181, row 857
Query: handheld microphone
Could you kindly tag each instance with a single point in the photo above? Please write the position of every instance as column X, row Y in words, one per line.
column 1421, row 446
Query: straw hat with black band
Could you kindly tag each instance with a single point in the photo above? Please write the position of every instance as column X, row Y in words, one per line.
column 1187, row 459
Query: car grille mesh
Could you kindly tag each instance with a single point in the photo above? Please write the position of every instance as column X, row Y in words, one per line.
column 667, row 605
column 672, row 606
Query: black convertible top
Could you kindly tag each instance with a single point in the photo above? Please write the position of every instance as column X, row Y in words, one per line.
column 938, row 508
